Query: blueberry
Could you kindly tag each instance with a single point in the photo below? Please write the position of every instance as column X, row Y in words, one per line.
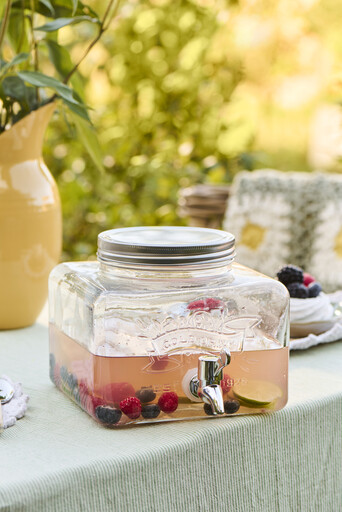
column 52, row 360
column 108, row 415
column 314, row 289
column 72, row 381
column 64, row 373
column 52, row 367
column 145, row 395
column 298, row 291
column 231, row 406
column 208, row 410
column 290, row 274
column 76, row 395
column 150, row 411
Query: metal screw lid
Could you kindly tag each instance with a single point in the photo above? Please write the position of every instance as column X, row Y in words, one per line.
column 165, row 245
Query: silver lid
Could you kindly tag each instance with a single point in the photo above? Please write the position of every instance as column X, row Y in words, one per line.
column 165, row 245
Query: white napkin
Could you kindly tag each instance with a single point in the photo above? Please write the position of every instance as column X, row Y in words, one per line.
column 15, row 408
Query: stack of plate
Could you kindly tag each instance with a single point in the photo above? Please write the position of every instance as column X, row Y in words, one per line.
column 203, row 205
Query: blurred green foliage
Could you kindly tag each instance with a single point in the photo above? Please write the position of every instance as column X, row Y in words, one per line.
column 185, row 92
column 161, row 84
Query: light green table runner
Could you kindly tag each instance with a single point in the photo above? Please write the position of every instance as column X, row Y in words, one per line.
column 58, row 459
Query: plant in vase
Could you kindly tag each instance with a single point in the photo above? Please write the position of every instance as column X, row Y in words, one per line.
column 30, row 211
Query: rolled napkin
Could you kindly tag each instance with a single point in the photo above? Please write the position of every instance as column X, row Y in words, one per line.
column 333, row 334
column 16, row 407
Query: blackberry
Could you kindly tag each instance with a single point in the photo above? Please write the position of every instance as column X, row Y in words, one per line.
column 290, row 274
column 314, row 289
column 208, row 410
column 298, row 291
column 150, row 411
column 231, row 406
column 145, row 395
column 108, row 415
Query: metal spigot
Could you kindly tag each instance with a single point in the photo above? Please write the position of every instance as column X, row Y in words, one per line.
column 207, row 385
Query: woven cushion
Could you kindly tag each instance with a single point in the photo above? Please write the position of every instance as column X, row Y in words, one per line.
column 285, row 217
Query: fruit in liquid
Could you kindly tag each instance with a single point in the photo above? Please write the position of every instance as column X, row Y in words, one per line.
column 257, row 379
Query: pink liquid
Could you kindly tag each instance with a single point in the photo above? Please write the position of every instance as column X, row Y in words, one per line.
column 106, row 380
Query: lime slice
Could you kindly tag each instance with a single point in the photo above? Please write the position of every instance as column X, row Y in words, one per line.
column 257, row 392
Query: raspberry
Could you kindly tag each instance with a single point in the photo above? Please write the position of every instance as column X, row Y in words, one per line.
column 231, row 406
column 115, row 392
column 145, row 395
column 308, row 279
column 168, row 402
column 290, row 274
column 108, row 415
column 226, row 384
column 131, row 407
column 159, row 363
column 83, row 389
column 314, row 289
column 206, row 304
column 298, row 290
column 150, row 411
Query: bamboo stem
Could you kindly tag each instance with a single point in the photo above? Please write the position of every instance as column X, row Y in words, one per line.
column 34, row 46
column 5, row 22
column 102, row 28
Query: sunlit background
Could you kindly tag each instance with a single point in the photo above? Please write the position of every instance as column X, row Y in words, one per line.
column 188, row 92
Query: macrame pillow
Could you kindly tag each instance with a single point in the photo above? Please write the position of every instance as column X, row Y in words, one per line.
column 285, row 217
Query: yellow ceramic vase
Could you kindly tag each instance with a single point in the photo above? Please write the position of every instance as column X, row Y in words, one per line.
column 30, row 221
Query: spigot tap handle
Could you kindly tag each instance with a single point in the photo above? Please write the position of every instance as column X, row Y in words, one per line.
column 207, row 384
column 210, row 367
column 224, row 359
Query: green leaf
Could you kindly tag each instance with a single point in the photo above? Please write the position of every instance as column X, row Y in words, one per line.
column 43, row 7
column 56, row 9
column 63, row 22
column 60, row 58
column 69, row 6
column 74, row 5
column 21, row 57
column 17, row 32
column 78, row 109
column 41, row 80
column 49, row 6
column 15, row 88
column 90, row 141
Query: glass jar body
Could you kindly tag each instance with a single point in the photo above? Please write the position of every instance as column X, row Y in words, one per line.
column 115, row 332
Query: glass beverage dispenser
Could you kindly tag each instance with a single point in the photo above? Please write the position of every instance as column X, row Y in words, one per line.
column 165, row 326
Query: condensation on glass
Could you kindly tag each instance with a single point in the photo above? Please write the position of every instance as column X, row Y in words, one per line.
column 165, row 326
